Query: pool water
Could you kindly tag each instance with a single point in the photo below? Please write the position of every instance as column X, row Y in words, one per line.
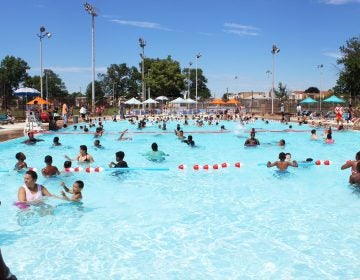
column 233, row 223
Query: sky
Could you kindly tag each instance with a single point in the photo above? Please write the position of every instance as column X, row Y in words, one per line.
column 234, row 37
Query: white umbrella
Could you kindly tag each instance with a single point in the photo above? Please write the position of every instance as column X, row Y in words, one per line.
column 26, row 91
column 150, row 101
column 162, row 98
column 178, row 100
column 133, row 101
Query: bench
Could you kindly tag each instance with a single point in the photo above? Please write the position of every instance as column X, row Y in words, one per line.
column 4, row 119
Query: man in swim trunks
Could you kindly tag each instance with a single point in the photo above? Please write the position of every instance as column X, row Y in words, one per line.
column 352, row 164
column 281, row 164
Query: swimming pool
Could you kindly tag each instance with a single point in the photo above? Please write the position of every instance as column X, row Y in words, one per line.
column 231, row 223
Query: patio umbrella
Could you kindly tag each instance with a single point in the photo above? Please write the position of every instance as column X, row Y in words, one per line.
column 233, row 102
column 334, row 99
column 161, row 98
column 217, row 101
column 308, row 100
column 178, row 100
column 133, row 101
column 27, row 92
column 38, row 100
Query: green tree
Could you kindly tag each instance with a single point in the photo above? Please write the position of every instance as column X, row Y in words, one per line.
column 99, row 93
column 12, row 74
column 203, row 91
column 348, row 83
column 164, row 77
column 281, row 92
column 312, row 90
column 120, row 81
column 53, row 86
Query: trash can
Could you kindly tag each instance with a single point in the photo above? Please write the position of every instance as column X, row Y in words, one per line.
column 75, row 119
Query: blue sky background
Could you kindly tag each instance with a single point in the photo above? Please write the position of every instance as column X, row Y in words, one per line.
column 234, row 37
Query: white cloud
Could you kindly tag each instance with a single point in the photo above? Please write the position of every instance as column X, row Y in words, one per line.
column 339, row 2
column 336, row 55
column 141, row 24
column 241, row 30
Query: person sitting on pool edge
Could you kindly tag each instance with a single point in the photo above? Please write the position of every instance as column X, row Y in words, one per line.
column 49, row 170
column 75, row 191
column 120, row 163
column 355, row 177
column 21, row 164
column 155, row 154
column 281, row 164
column 252, row 141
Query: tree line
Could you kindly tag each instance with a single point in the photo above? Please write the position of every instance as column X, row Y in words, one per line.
column 162, row 77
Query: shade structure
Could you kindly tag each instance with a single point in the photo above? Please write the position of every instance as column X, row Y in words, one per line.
column 161, row 98
column 190, row 101
column 233, row 102
column 217, row 101
column 150, row 101
column 178, row 100
column 308, row 100
column 38, row 100
column 334, row 99
column 133, row 101
column 26, row 92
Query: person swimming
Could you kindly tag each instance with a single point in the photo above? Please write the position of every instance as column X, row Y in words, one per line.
column 281, row 164
column 155, row 154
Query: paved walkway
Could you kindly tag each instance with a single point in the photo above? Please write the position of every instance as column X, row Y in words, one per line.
column 11, row 131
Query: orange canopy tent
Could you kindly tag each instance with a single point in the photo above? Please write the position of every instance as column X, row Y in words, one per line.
column 217, row 101
column 38, row 100
column 233, row 102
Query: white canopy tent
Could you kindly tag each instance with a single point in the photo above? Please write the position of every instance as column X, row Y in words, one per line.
column 150, row 101
column 133, row 101
column 178, row 100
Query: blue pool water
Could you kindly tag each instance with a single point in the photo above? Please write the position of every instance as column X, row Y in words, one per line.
column 232, row 223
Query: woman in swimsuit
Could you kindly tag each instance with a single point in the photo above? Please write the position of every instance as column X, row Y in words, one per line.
column 83, row 156
column 30, row 191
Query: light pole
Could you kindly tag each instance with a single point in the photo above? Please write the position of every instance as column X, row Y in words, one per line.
column 196, row 79
column 320, row 66
column 92, row 11
column 142, row 44
column 46, row 83
column 43, row 34
column 189, row 81
column 274, row 51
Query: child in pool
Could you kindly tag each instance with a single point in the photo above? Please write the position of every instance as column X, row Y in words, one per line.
column 75, row 191
column 21, row 161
